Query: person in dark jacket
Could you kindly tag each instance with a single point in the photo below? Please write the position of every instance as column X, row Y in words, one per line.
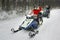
column 47, row 11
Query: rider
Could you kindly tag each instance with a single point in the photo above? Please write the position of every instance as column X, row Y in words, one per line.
column 47, row 10
column 35, row 12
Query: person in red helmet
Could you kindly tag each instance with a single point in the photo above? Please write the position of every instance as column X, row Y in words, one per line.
column 36, row 13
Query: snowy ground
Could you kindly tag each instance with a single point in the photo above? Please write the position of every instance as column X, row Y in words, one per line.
column 50, row 30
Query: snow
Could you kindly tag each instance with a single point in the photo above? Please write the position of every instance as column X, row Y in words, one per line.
column 10, row 14
column 50, row 30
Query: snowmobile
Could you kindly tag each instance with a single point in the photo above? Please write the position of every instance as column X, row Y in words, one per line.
column 46, row 13
column 29, row 24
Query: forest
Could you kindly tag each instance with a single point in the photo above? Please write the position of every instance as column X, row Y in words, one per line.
column 18, row 4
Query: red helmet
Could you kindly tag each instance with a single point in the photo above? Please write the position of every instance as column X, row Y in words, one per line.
column 40, row 8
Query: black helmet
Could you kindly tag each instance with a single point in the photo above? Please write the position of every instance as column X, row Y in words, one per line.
column 47, row 6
